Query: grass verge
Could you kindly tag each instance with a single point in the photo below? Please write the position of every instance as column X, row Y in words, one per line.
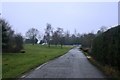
column 15, row 64
column 110, row 72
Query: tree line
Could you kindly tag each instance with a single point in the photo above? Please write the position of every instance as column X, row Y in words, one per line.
column 12, row 42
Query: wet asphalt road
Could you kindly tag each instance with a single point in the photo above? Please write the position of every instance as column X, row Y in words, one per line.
column 71, row 65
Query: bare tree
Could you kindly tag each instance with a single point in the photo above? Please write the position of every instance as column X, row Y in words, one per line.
column 48, row 34
column 102, row 29
column 61, row 37
column 55, row 38
column 32, row 34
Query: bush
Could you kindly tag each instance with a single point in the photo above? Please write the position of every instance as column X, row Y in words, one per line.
column 22, row 51
column 18, row 43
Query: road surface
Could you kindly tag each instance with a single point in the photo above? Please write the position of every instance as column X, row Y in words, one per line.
column 71, row 65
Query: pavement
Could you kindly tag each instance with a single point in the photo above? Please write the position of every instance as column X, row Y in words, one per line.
column 74, row 64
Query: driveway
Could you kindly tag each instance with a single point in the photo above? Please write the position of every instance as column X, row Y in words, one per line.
column 71, row 65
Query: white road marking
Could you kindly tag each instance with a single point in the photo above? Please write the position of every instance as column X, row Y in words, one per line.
column 23, row 76
column 41, row 66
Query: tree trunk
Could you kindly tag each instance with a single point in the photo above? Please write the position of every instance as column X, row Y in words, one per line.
column 56, row 45
column 33, row 40
column 61, row 46
column 49, row 45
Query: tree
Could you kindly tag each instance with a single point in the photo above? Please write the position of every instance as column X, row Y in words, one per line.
column 86, row 39
column 102, row 29
column 10, row 42
column 32, row 34
column 29, row 41
column 48, row 34
column 55, row 38
column 60, row 36
column 6, row 29
column 18, row 42
column 67, row 38
column 73, row 37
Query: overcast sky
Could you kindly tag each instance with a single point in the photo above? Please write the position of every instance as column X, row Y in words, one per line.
column 82, row 16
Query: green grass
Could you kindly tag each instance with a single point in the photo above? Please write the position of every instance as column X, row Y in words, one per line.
column 0, row 65
column 15, row 64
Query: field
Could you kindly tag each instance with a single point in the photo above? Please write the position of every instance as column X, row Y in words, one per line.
column 15, row 64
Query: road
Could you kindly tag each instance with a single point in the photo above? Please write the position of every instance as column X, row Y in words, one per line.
column 71, row 65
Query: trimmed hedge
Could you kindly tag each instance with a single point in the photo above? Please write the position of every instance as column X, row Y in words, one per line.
column 106, row 47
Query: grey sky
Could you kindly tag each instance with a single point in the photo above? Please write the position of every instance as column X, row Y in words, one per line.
column 119, row 13
column 84, row 17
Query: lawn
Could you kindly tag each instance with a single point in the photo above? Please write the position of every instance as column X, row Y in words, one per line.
column 15, row 64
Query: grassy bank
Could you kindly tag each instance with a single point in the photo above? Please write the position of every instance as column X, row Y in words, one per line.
column 109, row 71
column 15, row 64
